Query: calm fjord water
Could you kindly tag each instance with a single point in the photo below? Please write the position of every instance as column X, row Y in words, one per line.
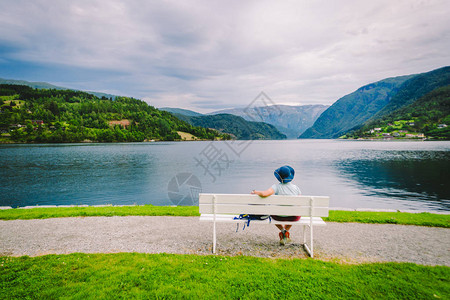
column 355, row 174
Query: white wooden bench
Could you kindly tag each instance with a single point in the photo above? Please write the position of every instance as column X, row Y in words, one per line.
column 225, row 207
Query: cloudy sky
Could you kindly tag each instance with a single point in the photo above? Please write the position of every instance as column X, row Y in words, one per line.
column 209, row 55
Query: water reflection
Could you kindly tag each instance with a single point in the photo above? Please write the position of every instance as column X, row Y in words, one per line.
column 415, row 175
column 74, row 174
column 407, row 175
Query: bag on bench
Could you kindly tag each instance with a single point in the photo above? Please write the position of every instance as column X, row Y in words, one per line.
column 249, row 217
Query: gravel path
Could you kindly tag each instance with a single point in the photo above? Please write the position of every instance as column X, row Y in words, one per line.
column 350, row 242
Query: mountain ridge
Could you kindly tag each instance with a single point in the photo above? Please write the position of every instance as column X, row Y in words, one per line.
column 427, row 117
column 181, row 111
column 46, row 85
column 355, row 108
column 235, row 126
column 414, row 89
column 288, row 119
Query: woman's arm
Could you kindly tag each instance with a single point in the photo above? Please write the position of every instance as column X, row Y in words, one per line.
column 265, row 193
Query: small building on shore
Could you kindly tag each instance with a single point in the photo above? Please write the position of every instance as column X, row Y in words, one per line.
column 124, row 123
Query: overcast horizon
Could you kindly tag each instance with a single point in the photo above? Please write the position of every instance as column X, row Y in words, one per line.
column 212, row 55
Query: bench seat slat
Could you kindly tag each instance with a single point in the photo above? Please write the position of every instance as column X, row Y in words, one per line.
column 316, row 221
column 283, row 210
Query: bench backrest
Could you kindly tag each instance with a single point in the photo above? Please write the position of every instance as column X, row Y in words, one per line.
column 311, row 206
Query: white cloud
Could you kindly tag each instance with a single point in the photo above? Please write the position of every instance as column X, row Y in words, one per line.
column 194, row 54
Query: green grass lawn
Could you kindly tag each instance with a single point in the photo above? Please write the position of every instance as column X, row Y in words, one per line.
column 421, row 219
column 168, row 276
column 104, row 211
column 164, row 276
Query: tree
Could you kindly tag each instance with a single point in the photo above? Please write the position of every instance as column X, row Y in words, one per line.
column 53, row 107
column 29, row 129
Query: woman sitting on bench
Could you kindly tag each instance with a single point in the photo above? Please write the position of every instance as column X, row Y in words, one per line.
column 284, row 174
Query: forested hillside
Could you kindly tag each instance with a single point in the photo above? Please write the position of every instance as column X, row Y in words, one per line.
column 428, row 115
column 415, row 88
column 49, row 115
column 237, row 126
column 378, row 103
column 48, row 86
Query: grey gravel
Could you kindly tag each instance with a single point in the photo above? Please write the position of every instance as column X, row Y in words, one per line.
column 342, row 242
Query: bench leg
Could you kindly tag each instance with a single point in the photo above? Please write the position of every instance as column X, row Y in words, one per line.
column 214, row 237
column 305, row 245
column 304, row 234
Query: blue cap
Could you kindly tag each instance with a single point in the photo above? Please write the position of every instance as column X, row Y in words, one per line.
column 284, row 174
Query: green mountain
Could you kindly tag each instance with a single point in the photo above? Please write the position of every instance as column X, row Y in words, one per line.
column 354, row 109
column 429, row 115
column 181, row 111
column 45, row 85
column 373, row 103
column 236, row 126
column 414, row 89
column 51, row 115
